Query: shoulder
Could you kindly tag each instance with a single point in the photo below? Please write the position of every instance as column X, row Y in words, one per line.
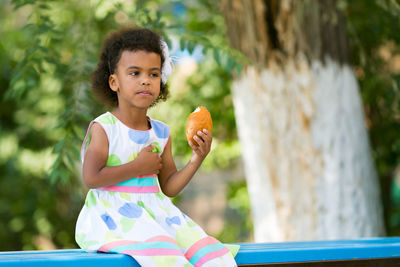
column 108, row 123
column 96, row 139
column 106, row 118
column 99, row 128
column 160, row 128
column 98, row 133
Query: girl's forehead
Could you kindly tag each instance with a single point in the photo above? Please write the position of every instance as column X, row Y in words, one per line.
column 139, row 57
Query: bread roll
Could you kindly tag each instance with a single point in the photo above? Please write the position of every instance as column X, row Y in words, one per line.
column 198, row 120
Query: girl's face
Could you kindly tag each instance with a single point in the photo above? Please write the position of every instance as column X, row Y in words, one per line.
column 137, row 78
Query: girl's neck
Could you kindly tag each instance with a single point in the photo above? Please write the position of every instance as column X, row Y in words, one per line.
column 135, row 119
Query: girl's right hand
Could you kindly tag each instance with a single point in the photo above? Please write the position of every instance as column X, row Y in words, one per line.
column 148, row 162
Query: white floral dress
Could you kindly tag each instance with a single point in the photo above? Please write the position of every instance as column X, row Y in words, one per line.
column 135, row 218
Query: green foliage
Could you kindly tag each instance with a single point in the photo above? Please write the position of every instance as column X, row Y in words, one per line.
column 43, row 75
column 238, row 214
column 373, row 28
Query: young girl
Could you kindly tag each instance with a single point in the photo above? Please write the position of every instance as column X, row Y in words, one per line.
column 124, row 152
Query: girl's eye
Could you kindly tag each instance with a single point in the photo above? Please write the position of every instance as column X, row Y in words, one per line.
column 154, row 75
column 135, row 73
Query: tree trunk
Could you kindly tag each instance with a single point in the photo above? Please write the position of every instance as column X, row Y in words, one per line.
column 309, row 169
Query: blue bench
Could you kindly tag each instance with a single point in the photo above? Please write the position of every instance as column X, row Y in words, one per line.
column 360, row 252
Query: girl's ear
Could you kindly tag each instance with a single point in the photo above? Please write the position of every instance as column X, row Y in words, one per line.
column 113, row 82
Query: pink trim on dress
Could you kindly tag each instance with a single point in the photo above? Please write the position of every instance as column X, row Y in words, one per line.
column 200, row 244
column 147, row 175
column 153, row 252
column 210, row 256
column 132, row 189
column 107, row 247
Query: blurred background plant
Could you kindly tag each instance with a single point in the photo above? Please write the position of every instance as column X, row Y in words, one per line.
column 49, row 48
column 375, row 46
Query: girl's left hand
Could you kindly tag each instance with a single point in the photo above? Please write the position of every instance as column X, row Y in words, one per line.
column 203, row 146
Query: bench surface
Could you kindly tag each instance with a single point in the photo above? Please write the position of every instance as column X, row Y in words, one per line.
column 249, row 253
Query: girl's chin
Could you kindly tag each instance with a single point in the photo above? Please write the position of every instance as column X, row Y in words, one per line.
column 143, row 105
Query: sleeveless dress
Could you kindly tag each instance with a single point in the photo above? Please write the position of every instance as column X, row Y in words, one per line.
column 135, row 218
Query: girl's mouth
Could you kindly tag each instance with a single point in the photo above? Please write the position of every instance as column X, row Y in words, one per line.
column 144, row 93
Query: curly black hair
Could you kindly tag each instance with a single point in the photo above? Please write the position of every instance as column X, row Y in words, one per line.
column 130, row 39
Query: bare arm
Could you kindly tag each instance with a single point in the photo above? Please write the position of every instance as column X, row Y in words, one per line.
column 95, row 172
column 173, row 181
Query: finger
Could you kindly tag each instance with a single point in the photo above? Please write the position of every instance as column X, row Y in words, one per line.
column 202, row 134
column 200, row 147
column 205, row 147
column 148, row 148
column 193, row 143
column 193, row 146
column 208, row 143
column 206, row 135
column 206, row 132
column 206, row 138
column 198, row 139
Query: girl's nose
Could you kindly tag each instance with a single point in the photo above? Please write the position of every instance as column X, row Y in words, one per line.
column 145, row 81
